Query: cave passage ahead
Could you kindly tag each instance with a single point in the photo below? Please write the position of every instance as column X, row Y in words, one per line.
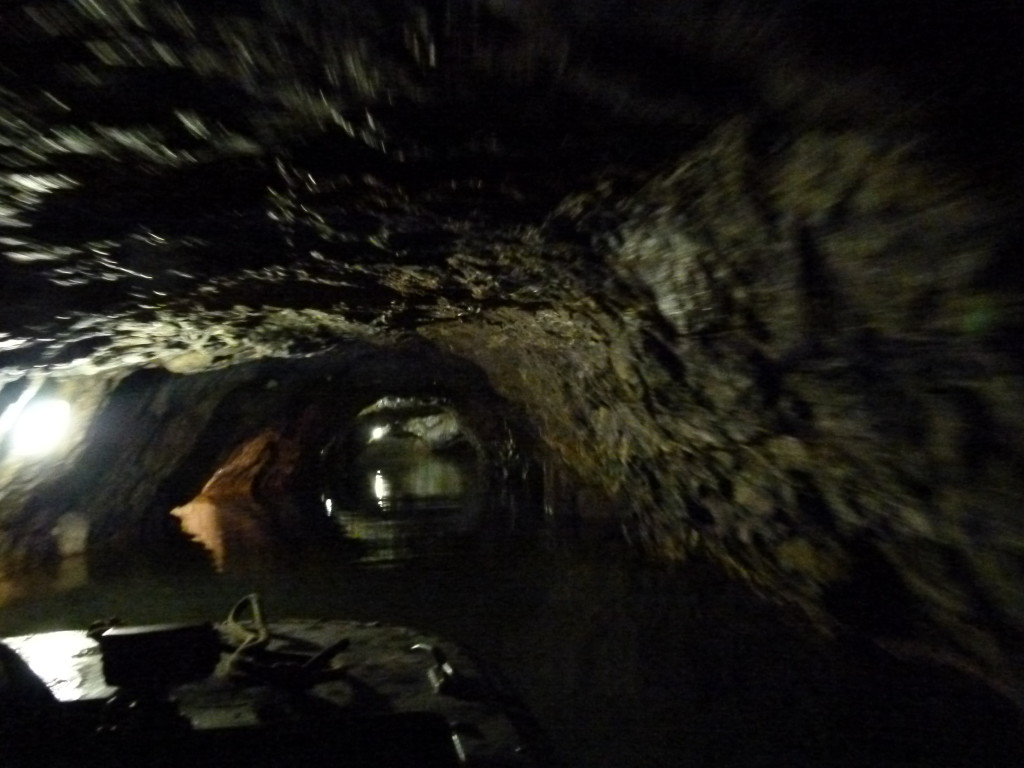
column 626, row 660
column 736, row 284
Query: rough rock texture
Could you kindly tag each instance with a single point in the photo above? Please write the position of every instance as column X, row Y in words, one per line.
column 748, row 279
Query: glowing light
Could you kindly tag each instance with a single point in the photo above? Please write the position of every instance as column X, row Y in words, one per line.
column 377, row 433
column 381, row 488
column 40, row 427
column 329, row 505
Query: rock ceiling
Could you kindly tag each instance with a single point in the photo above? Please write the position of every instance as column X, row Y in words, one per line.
column 194, row 183
column 212, row 185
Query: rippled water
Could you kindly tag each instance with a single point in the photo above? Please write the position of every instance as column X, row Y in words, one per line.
column 625, row 663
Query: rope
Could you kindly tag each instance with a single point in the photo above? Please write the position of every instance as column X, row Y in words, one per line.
column 246, row 639
column 253, row 635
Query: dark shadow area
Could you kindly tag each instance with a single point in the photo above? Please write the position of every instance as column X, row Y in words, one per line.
column 624, row 663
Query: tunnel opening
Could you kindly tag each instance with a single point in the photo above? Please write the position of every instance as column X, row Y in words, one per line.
column 344, row 452
column 406, row 479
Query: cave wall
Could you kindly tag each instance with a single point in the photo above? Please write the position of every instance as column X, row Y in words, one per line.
column 810, row 372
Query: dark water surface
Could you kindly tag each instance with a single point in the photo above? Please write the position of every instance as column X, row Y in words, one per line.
column 401, row 504
column 625, row 663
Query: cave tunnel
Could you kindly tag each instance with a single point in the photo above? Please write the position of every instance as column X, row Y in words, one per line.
column 667, row 353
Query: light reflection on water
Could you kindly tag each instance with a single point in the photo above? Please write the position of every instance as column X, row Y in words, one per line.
column 625, row 663
column 381, row 489
column 409, row 507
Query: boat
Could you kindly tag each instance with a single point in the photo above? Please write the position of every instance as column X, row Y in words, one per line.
column 248, row 692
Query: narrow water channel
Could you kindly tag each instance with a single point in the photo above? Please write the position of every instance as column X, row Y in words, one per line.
column 625, row 663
